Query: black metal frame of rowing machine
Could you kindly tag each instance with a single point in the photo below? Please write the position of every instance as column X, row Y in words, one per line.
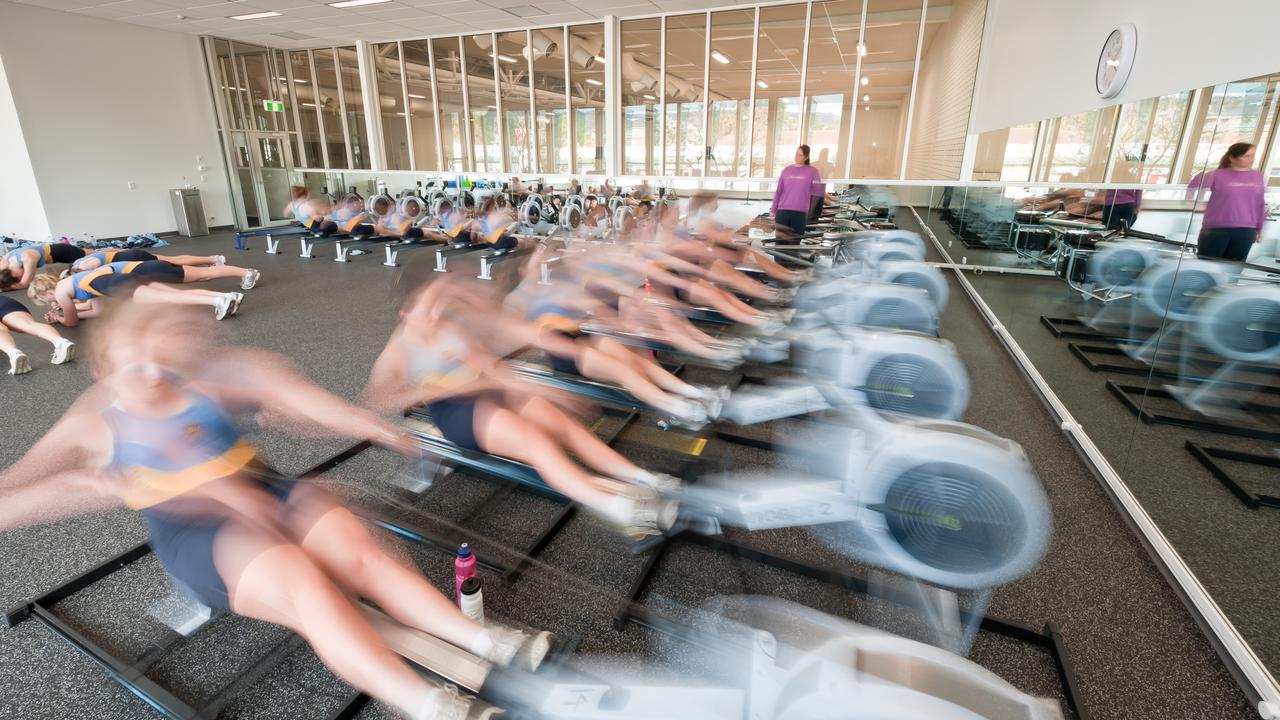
column 1126, row 394
column 131, row 674
column 1209, row 457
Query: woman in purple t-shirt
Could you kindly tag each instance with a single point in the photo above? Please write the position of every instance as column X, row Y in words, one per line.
column 792, row 199
column 1236, row 209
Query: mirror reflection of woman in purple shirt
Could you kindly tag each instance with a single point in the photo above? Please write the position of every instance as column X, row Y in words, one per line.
column 1236, row 208
column 793, row 197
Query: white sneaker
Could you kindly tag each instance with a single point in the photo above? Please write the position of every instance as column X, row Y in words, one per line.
column 18, row 363
column 649, row 514
column 518, row 648
column 689, row 413
column 236, row 299
column 64, row 351
column 219, row 259
column 250, row 279
column 223, row 307
column 663, row 483
column 447, row 704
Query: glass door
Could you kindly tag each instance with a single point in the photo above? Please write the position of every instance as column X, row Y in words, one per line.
column 263, row 163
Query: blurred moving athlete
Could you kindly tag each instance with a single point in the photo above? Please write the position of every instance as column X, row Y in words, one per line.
column 158, row 433
column 433, row 359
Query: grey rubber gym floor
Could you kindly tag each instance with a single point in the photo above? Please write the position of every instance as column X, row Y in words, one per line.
column 1136, row 651
column 1227, row 545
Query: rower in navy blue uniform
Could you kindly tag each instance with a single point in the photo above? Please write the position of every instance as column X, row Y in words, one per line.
column 98, row 258
column 478, row 405
column 14, row 317
column 159, row 434
column 18, row 267
column 82, row 295
column 310, row 212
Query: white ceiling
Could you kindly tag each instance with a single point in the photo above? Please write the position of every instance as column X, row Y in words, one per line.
column 397, row 20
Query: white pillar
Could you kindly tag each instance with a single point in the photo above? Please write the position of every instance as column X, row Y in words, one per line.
column 372, row 106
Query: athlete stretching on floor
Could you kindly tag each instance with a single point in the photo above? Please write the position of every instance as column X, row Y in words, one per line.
column 15, row 317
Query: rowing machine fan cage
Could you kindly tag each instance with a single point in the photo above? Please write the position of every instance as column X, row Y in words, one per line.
column 380, row 200
column 892, row 307
column 895, row 374
column 1241, row 323
column 954, row 505
column 1118, row 265
column 1172, row 287
column 917, row 275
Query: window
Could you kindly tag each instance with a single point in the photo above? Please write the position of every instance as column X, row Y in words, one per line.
column 880, row 116
column 448, row 67
column 641, row 69
column 421, row 104
column 304, row 93
column 1147, row 139
column 254, row 64
column 513, row 84
column 586, row 96
column 1235, row 112
column 358, row 132
column 776, row 128
column 391, row 97
column 551, row 101
column 1079, row 146
column 330, row 107
column 685, row 63
column 482, row 101
column 732, row 41
column 1006, row 154
column 832, row 83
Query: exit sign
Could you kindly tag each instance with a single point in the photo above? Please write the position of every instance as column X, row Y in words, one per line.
column 273, row 105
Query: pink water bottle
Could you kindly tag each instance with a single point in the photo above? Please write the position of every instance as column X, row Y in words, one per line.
column 464, row 566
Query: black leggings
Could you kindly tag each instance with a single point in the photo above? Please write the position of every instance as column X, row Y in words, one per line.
column 794, row 221
column 1226, row 243
column 1120, row 214
column 362, row 230
column 323, row 228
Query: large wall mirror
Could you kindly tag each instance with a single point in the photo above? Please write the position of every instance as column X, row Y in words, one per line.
column 1151, row 306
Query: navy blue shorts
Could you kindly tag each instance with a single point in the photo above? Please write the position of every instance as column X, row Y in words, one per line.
column 64, row 253
column 456, row 418
column 9, row 305
column 133, row 254
column 564, row 365
column 184, row 546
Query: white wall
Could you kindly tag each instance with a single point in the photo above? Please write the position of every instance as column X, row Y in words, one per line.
column 21, row 212
column 1039, row 56
column 103, row 104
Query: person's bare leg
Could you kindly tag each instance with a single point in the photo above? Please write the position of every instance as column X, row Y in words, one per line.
column 189, row 260
column 341, row 544
column 26, row 324
column 503, row 432
column 656, row 374
column 582, row 442
column 271, row 579
column 7, row 344
column 726, row 304
column 212, row 272
column 600, row 366
column 157, row 294
column 725, row 274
